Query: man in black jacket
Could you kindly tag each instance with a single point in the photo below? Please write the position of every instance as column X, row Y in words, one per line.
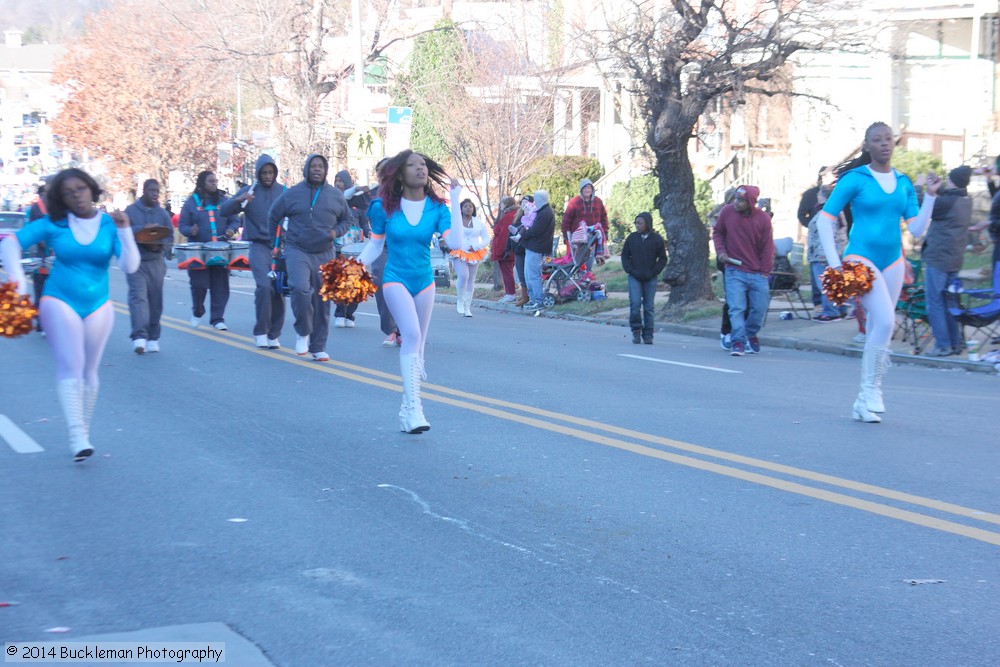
column 537, row 242
column 644, row 256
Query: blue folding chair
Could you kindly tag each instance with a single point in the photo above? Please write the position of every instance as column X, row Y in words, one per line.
column 982, row 318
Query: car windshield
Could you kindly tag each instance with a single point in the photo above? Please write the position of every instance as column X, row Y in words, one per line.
column 11, row 220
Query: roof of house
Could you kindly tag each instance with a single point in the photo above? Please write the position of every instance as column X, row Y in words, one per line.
column 30, row 57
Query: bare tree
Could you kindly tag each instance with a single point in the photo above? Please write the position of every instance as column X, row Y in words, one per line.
column 676, row 57
column 135, row 98
column 495, row 123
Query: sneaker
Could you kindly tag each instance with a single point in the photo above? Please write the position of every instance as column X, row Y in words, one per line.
column 532, row 306
column 859, row 339
column 321, row 356
column 339, row 323
column 273, row 344
column 827, row 318
column 753, row 345
column 260, row 341
column 302, row 345
column 221, row 326
column 508, row 298
column 940, row 352
column 139, row 346
column 738, row 349
column 726, row 341
column 636, row 338
column 390, row 340
column 195, row 322
column 349, row 323
column 153, row 346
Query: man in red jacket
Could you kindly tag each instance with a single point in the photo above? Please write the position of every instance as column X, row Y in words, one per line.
column 744, row 243
column 587, row 208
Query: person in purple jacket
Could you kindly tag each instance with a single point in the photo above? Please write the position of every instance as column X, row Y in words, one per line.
column 744, row 243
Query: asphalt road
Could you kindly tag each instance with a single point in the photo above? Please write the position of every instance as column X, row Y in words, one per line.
column 579, row 500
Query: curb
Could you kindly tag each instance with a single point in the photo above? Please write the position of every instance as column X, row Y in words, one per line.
column 785, row 342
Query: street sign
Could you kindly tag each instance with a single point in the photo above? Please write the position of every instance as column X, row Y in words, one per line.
column 397, row 133
column 364, row 144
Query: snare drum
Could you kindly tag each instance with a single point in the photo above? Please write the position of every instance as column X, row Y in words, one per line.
column 239, row 255
column 190, row 255
column 352, row 236
column 217, row 253
column 352, row 249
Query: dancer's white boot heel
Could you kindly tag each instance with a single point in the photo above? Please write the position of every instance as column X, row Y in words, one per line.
column 861, row 413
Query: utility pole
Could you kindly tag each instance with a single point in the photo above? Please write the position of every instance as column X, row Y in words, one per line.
column 359, row 97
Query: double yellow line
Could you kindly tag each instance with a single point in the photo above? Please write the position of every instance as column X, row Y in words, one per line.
column 584, row 429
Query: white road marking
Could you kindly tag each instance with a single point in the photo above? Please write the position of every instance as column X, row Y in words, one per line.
column 18, row 440
column 236, row 291
column 679, row 363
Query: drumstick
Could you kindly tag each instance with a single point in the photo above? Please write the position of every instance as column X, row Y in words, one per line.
column 250, row 193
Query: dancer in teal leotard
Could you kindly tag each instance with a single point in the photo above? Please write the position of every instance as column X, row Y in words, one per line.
column 408, row 213
column 880, row 197
column 74, row 308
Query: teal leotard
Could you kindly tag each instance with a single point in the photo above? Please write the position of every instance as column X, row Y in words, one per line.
column 79, row 275
column 875, row 234
column 409, row 260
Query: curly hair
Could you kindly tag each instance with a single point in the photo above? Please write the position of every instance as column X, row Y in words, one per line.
column 470, row 202
column 54, row 203
column 390, row 180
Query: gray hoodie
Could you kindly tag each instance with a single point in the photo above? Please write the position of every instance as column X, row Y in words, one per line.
column 312, row 212
column 256, row 226
column 358, row 203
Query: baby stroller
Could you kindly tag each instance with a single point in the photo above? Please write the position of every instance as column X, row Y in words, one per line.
column 567, row 278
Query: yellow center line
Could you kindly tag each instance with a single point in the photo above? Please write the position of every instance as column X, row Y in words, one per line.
column 392, row 382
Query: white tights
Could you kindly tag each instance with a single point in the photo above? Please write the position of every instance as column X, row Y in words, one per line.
column 880, row 302
column 77, row 343
column 466, row 283
column 412, row 314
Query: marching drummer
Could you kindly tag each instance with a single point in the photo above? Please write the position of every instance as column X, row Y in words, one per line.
column 154, row 236
column 317, row 213
column 202, row 221
column 255, row 201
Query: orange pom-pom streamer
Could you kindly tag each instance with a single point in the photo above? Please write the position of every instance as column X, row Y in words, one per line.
column 854, row 280
column 346, row 281
column 16, row 312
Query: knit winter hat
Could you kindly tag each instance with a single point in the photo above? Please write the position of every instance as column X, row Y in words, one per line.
column 960, row 176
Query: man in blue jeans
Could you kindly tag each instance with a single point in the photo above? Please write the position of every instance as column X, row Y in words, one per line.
column 537, row 241
column 943, row 252
column 744, row 243
column 644, row 256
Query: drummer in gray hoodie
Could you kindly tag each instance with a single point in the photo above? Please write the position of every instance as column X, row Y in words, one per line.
column 145, row 286
column 255, row 202
column 317, row 213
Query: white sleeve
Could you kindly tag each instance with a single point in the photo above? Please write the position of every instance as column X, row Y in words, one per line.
column 483, row 235
column 350, row 192
column 10, row 255
column 372, row 250
column 824, row 226
column 918, row 225
column 128, row 261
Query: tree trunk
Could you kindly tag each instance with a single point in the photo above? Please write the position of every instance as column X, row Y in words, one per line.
column 687, row 236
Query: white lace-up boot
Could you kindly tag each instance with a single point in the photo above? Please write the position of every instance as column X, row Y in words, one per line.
column 874, row 364
column 411, row 413
column 71, row 396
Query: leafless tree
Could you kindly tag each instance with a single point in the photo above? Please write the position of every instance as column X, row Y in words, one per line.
column 676, row 57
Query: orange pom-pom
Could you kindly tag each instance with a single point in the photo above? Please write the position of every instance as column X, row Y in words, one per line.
column 16, row 312
column 346, row 281
column 854, row 279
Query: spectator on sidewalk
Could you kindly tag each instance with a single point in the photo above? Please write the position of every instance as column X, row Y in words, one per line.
column 808, row 208
column 587, row 208
column 817, row 258
column 524, row 215
column 500, row 253
column 644, row 256
column 744, row 242
column 537, row 241
column 943, row 251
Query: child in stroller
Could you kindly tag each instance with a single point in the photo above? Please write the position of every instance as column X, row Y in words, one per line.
column 568, row 278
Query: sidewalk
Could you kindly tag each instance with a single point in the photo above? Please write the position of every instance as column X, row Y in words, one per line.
column 796, row 334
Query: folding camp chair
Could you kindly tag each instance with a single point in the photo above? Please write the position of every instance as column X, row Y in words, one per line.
column 978, row 309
